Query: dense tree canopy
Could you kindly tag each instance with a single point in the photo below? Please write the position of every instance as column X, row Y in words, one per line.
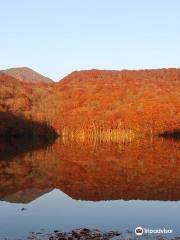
column 142, row 101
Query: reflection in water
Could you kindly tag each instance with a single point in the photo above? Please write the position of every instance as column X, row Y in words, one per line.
column 139, row 170
column 14, row 146
column 144, row 170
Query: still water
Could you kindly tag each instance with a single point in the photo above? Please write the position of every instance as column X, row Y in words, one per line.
column 87, row 184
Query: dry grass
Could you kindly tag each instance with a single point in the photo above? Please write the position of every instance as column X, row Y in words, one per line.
column 108, row 136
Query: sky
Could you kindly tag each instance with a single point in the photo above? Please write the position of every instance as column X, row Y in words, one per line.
column 56, row 37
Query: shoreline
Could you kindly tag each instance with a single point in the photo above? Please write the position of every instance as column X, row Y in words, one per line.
column 95, row 234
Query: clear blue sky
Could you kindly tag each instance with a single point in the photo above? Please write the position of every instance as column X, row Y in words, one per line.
column 56, row 37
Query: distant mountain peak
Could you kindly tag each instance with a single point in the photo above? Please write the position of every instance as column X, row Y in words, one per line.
column 26, row 74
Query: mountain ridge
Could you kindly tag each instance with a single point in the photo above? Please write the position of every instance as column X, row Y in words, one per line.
column 26, row 74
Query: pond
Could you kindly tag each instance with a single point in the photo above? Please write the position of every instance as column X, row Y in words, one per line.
column 68, row 185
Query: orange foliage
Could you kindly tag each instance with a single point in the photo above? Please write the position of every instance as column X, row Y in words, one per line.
column 146, row 101
column 143, row 101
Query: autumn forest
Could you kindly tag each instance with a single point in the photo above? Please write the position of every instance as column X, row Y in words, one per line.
column 104, row 105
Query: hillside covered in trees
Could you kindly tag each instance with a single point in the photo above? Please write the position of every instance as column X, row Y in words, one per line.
column 22, row 107
column 99, row 104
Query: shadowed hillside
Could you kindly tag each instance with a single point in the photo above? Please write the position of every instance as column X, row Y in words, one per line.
column 14, row 126
column 25, row 101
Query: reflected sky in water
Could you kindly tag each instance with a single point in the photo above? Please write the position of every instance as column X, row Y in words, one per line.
column 55, row 210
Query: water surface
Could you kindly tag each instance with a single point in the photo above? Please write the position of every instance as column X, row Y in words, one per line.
column 106, row 186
